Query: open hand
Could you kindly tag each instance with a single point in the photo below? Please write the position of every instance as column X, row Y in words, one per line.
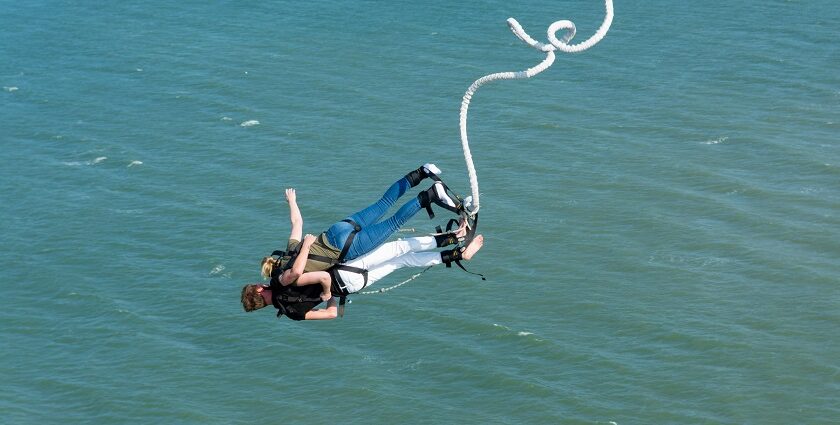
column 291, row 197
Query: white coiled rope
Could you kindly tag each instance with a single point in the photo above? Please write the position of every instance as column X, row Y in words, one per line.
column 556, row 44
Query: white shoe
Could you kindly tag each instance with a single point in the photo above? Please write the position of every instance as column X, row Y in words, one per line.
column 442, row 197
column 430, row 168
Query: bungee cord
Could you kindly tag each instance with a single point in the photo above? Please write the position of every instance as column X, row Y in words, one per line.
column 472, row 203
column 555, row 44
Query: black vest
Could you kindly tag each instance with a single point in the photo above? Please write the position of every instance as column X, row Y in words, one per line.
column 284, row 296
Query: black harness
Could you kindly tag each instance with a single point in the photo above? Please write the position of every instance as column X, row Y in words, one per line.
column 281, row 294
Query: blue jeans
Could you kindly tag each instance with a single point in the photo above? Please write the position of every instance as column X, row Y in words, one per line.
column 374, row 232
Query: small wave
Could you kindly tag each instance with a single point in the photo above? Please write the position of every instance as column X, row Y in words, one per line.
column 10, row 88
column 249, row 123
column 518, row 333
column 227, row 119
column 91, row 162
column 717, row 141
column 139, row 69
column 133, row 163
column 691, row 261
column 216, row 270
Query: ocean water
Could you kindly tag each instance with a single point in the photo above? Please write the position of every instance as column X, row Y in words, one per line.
column 661, row 212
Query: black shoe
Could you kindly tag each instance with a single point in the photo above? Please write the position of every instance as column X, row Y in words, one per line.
column 427, row 170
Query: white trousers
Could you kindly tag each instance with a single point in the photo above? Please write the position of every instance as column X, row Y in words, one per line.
column 389, row 257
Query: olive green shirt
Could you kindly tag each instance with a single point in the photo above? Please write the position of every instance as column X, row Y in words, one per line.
column 320, row 247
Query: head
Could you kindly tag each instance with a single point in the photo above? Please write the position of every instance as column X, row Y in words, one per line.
column 267, row 265
column 252, row 297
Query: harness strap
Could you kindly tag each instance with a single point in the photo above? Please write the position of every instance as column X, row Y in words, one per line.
column 321, row 258
column 339, row 288
column 356, row 229
column 430, row 211
column 458, row 262
column 336, row 279
column 449, row 192
column 341, row 301
column 454, row 256
column 351, row 269
column 298, row 299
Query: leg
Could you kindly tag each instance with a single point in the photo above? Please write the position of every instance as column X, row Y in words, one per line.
column 380, row 269
column 411, row 259
column 394, row 249
column 338, row 232
column 374, row 235
column 375, row 211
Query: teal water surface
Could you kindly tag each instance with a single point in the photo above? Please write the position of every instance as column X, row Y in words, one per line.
column 660, row 212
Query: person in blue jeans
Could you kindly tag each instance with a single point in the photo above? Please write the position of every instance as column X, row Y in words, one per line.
column 364, row 230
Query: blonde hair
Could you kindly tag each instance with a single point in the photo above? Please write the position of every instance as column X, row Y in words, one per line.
column 252, row 299
column 267, row 265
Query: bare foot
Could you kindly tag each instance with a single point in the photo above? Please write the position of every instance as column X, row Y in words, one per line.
column 473, row 247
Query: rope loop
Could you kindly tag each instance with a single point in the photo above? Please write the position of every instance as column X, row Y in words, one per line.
column 561, row 44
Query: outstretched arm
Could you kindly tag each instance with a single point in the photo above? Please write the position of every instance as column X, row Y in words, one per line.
column 298, row 266
column 331, row 312
column 294, row 214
